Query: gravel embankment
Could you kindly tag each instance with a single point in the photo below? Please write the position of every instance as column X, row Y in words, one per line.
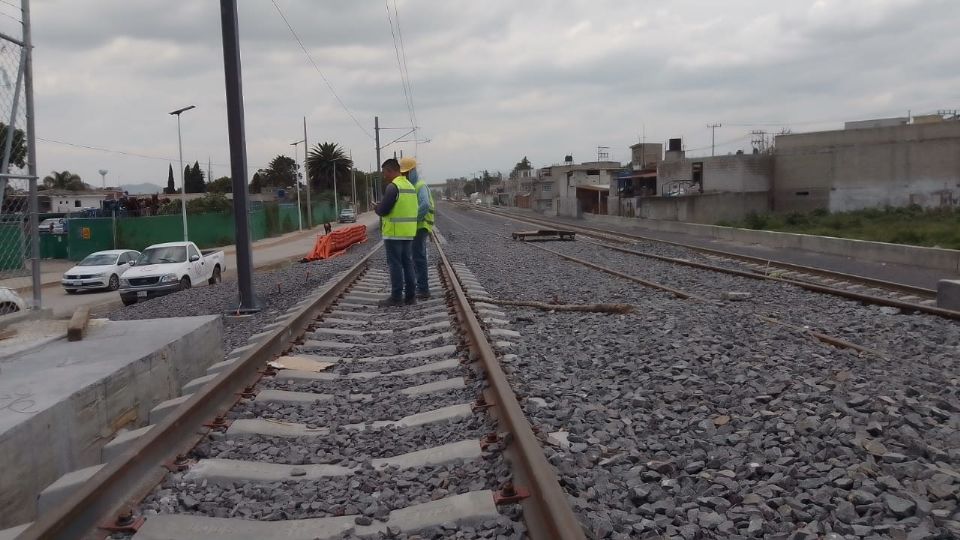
column 277, row 289
column 698, row 420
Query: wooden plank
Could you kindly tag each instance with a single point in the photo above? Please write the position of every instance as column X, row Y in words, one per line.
column 78, row 324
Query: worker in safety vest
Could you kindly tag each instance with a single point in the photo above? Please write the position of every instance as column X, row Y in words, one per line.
column 426, row 212
column 398, row 226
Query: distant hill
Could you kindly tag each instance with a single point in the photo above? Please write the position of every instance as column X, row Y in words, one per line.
column 145, row 188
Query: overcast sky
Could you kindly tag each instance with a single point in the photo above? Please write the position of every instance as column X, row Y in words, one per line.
column 492, row 81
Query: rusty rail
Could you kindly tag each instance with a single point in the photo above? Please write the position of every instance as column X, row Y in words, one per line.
column 845, row 293
column 549, row 516
column 122, row 483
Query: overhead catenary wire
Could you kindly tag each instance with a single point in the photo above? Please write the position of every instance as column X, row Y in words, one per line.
column 406, row 71
column 404, row 81
column 319, row 71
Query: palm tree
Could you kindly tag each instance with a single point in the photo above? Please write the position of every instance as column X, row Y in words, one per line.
column 64, row 180
column 326, row 161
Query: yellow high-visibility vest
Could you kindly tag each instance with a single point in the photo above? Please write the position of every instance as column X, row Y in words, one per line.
column 401, row 222
column 428, row 220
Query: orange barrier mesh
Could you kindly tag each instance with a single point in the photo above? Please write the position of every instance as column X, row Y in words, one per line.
column 337, row 242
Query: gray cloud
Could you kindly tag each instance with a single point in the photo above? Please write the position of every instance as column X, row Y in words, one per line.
column 492, row 81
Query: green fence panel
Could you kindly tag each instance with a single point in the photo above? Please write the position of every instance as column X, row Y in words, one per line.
column 12, row 245
column 258, row 224
column 323, row 212
column 289, row 221
column 86, row 235
column 140, row 232
column 53, row 246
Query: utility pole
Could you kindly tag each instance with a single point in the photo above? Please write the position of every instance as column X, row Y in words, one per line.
column 297, row 182
column 713, row 132
column 31, row 149
column 209, row 170
column 376, row 133
column 238, row 156
column 306, row 177
column 353, row 180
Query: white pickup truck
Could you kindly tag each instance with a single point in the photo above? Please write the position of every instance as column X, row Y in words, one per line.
column 165, row 268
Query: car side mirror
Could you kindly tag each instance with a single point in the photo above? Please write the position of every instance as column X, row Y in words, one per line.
column 131, row 263
column 122, row 263
column 194, row 258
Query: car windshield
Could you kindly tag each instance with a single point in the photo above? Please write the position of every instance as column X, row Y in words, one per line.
column 98, row 259
column 346, row 212
column 171, row 254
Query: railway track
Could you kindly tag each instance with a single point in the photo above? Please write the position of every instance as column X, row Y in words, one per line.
column 344, row 419
column 860, row 288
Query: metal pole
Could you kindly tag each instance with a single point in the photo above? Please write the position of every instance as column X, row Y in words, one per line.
column 336, row 199
column 306, row 148
column 297, row 182
column 353, row 180
column 379, row 182
column 31, row 155
column 183, row 183
column 238, row 155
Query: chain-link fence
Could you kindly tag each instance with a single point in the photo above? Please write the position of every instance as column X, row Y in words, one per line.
column 17, row 236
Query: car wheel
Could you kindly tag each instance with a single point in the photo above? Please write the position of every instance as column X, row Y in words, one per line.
column 8, row 307
column 215, row 278
column 114, row 282
column 184, row 283
column 128, row 300
column 71, row 291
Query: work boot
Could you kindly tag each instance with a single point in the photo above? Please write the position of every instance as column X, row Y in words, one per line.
column 390, row 302
column 410, row 301
column 423, row 296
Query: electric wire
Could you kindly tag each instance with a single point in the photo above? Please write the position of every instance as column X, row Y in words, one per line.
column 322, row 76
column 406, row 70
column 403, row 79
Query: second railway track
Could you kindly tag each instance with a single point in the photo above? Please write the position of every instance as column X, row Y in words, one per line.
column 859, row 288
column 349, row 420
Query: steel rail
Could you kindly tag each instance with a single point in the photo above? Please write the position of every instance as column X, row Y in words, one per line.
column 833, row 274
column 815, row 287
column 123, row 482
column 550, row 517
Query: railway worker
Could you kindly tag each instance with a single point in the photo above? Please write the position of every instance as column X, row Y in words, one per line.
column 398, row 226
column 426, row 211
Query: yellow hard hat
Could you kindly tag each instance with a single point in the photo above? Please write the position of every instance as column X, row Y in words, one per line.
column 407, row 163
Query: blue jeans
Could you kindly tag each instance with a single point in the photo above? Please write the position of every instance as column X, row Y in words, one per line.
column 420, row 261
column 400, row 262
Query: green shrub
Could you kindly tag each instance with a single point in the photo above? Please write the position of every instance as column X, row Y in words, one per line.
column 755, row 221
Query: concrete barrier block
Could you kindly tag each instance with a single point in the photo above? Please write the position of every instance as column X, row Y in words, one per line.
column 197, row 383
column 220, row 366
column 13, row 532
column 120, row 444
column 161, row 411
column 59, row 491
column 948, row 294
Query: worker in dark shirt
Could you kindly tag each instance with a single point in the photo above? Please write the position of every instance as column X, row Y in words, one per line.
column 398, row 227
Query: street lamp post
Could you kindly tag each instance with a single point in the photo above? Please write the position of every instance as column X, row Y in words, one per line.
column 297, row 180
column 183, row 184
column 353, row 180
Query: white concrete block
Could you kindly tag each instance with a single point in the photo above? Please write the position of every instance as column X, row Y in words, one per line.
column 198, row 383
column 161, row 411
column 58, row 492
column 435, row 387
column 120, row 443
column 948, row 294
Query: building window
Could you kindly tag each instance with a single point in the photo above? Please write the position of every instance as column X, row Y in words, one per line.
column 76, row 203
column 547, row 187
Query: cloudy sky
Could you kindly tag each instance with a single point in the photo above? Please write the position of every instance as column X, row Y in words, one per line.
column 491, row 81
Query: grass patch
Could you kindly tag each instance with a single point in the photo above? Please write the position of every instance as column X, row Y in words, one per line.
column 911, row 225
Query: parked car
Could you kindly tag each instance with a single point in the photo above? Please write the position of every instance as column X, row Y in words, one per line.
column 347, row 215
column 100, row 270
column 52, row 226
column 173, row 266
column 10, row 301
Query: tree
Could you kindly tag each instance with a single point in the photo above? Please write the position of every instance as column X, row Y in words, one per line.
column 18, row 150
column 522, row 165
column 256, row 184
column 65, row 180
column 327, row 163
column 221, row 185
column 193, row 179
column 283, row 172
column 469, row 188
column 171, row 188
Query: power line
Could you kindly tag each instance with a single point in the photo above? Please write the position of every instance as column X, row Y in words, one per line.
column 11, row 4
column 316, row 67
column 406, row 70
column 120, row 152
column 11, row 17
column 403, row 78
